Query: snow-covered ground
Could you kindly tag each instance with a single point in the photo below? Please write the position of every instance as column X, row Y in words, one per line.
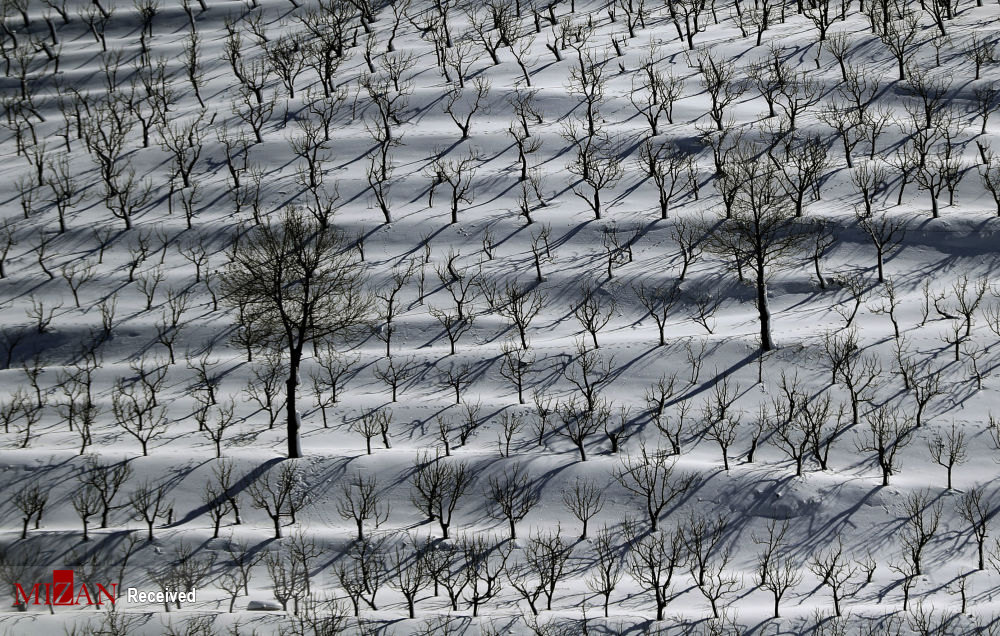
column 141, row 312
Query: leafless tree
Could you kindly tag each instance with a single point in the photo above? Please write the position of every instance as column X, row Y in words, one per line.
column 584, row 500
column 30, row 500
column 511, row 496
column 335, row 368
column 360, row 501
column 949, row 449
column 107, row 480
column 515, row 366
column 594, row 311
column 216, row 427
column 920, row 525
column 409, row 574
column 87, row 503
column 263, row 385
column 394, row 372
column 654, row 95
column 598, row 163
column 438, row 487
column 464, row 119
column 149, row 503
column 135, row 410
column 888, row 431
column 665, row 164
column 279, row 495
column 719, row 77
column 458, row 175
column 485, row 561
column 363, row 571
column 608, row 567
column 581, row 423
column 650, row 476
column 898, row 35
column 659, row 302
column 300, row 285
column 760, row 231
column 977, row 513
column 835, row 571
column 924, row 390
column 545, row 564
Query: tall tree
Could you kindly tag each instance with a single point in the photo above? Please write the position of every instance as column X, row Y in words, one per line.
column 295, row 282
column 761, row 233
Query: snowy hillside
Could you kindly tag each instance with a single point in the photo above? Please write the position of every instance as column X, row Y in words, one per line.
column 604, row 318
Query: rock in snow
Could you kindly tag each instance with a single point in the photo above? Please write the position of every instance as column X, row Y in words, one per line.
column 264, row 606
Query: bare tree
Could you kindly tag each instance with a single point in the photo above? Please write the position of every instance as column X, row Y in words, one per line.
column 301, row 286
column 760, row 231
column 652, row 562
column 485, row 561
column 608, row 567
column 510, row 496
column 719, row 78
column 458, row 175
column 521, row 304
column 598, row 163
column 452, row 98
column 949, row 449
column 216, row 427
column 515, row 366
column 594, row 311
column 977, row 513
column 665, row 164
column 584, row 501
column 835, row 571
column 279, row 495
column 887, row 432
column 149, row 503
column 263, row 386
column 371, row 423
column 395, row 372
column 409, row 573
column 30, row 501
column 545, row 563
column 87, row 503
column 360, row 500
column 650, row 476
column 920, row 525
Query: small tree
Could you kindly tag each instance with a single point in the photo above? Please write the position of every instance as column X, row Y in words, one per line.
column 510, row 496
column 458, row 175
column 761, row 231
column 888, row 432
column 584, row 500
column 598, row 163
column 30, row 500
column 148, row 503
column 107, row 480
column 87, row 503
column 360, row 501
column 278, row 495
column 835, row 571
column 977, row 513
column 948, row 450
column 920, row 525
column 216, row 427
column 650, row 476
column 652, row 562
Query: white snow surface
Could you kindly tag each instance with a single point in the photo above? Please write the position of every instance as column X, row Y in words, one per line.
column 846, row 503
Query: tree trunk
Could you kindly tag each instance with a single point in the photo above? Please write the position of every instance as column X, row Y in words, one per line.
column 294, row 445
column 764, row 312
